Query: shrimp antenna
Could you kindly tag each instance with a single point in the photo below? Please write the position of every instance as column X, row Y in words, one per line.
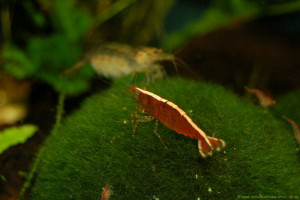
column 75, row 68
column 116, row 85
column 176, row 59
column 120, row 82
column 181, row 61
column 183, row 64
column 175, row 65
column 284, row 117
column 179, row 49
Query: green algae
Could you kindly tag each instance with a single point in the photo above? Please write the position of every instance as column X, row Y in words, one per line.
column 95, row 146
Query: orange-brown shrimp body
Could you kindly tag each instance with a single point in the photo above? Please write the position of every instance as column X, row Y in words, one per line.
column 264, row 100
column 296, row 128
column 176, row 119
column 106, row 192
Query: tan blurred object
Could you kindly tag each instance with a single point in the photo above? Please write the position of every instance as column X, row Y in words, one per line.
column 13, row 96
column 115, row 60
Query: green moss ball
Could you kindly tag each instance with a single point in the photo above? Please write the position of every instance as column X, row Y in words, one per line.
column 95, row 146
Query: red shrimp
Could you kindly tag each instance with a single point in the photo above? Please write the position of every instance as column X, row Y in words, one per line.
column 176, row 119
column 296, row 128
column 264, row 100
column 106, row 192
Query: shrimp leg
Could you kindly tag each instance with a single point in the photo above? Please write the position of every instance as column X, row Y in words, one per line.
column 136, row 118
column 162, row 142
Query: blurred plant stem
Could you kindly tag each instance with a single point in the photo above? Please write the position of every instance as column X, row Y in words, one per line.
column 60, row 109
column 111, row 11
column 287, row 7
column 6, row 24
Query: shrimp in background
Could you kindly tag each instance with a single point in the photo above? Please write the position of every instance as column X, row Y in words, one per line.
column 106, row 192
column 113, row 60
column 296, row 128
column 264, row 100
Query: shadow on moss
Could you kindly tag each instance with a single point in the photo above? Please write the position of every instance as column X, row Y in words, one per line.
column 95, row 146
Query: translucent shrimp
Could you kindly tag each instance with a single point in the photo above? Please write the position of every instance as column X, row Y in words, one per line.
column 115, row 60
